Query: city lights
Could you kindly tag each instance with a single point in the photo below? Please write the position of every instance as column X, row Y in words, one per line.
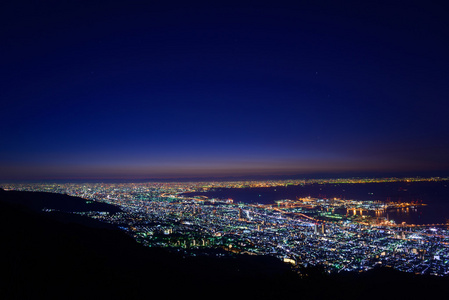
column 301, row 232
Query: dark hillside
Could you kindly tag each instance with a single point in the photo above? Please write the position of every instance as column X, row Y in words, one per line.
column 62, row 255
column 46, row 257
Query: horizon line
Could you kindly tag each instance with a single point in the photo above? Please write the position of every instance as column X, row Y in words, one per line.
column 130, row 179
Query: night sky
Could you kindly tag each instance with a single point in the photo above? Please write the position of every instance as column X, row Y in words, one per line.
column 160, row 89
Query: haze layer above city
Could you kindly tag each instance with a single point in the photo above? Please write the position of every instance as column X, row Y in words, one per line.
column 104, row 90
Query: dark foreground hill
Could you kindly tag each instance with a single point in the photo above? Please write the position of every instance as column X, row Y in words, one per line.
column 53, row 256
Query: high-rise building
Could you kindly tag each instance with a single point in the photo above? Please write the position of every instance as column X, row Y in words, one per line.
column 241, row 214
column 320, row 229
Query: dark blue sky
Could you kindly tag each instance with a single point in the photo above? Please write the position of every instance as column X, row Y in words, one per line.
column 142, row 90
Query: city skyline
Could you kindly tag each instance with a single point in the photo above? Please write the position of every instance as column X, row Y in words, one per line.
column 340, row 235
column 139, row 91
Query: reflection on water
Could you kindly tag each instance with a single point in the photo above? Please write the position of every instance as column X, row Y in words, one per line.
column 434, row 194
column 398, row 215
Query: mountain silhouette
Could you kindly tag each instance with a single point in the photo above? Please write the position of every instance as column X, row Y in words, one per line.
column 62, row 255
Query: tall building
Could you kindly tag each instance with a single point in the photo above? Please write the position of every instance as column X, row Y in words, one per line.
column 320, row 229
column 240, row 214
